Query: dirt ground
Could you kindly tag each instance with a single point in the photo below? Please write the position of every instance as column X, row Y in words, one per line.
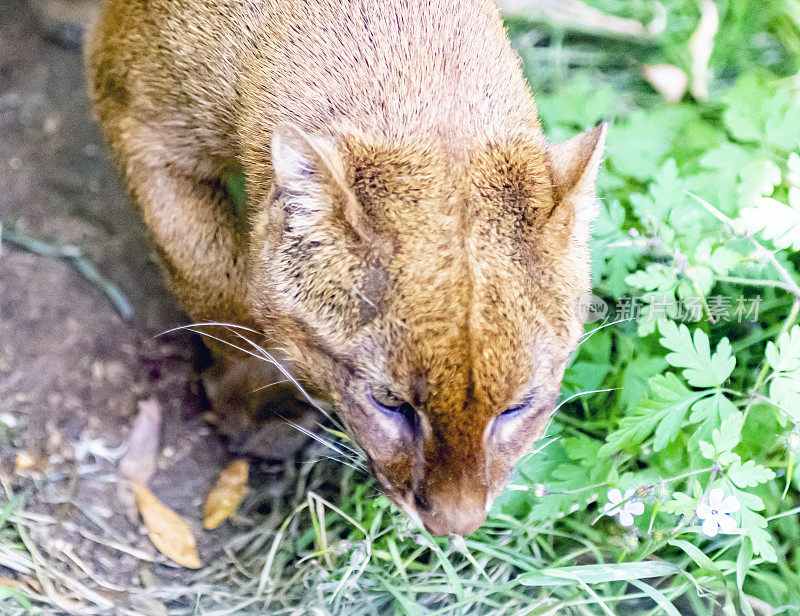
column 72, row 371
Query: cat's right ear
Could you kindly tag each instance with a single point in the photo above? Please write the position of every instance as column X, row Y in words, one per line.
column 312, row 166
column 297, row 157
column 575, row 162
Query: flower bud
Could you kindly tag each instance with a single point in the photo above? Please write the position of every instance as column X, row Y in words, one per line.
column 630, row 542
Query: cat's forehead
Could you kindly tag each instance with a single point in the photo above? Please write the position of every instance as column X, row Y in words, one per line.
column 465, row 326
column 467, row 281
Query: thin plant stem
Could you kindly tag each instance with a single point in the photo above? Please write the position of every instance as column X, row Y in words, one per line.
column 755, row 282
column 791, row 285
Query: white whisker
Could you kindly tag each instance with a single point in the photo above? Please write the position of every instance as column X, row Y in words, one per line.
column 313, row 435
column 264, row 354
column 562, row 403
column 263, row 387
column 348, row 463
column 539, row 449
column 258, row 352
column 208, row 324
column 588, row 335
column 583, row 393
column 225, row 342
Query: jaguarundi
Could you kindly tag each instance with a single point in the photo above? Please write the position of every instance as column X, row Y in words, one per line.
column 413, row 247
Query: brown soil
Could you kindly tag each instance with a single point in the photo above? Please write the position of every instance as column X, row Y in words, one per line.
column 72, row 371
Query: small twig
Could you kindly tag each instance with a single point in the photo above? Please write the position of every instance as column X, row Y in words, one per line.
column 701, row 45
column 74, row 256
column 783, row 514
column 578, row 16
column 690, row 474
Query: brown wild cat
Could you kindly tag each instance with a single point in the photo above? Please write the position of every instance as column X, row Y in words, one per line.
column 414, row 246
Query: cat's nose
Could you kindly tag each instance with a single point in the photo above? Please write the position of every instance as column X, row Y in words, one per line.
column 453, row 521
column 461, row 514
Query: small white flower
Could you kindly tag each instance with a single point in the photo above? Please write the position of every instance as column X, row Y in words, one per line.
column 715, row 513
column 626, row 510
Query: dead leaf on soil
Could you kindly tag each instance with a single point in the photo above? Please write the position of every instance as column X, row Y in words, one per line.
column 25, row 462
column 148, row 606
column 139, row 462
column 29, row 463
column 227, row 494
column 167, row 531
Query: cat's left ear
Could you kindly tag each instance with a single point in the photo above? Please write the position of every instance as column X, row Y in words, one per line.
column 575, row 163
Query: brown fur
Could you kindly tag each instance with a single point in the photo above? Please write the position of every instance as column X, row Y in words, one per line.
column 410, row 228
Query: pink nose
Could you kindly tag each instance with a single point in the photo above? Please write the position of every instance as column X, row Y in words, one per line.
column 452, row 518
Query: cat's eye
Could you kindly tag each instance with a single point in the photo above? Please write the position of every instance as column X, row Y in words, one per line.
column 391, row 404
column 520, row 408
column 385, row 398
column 514, row 410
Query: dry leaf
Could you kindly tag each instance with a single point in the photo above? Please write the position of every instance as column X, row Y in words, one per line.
column 231, row 488
column 25, row 463
column 139, row 462
column 667, row 79
column 148, row 606
column 9, row 583
column 167, row 531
